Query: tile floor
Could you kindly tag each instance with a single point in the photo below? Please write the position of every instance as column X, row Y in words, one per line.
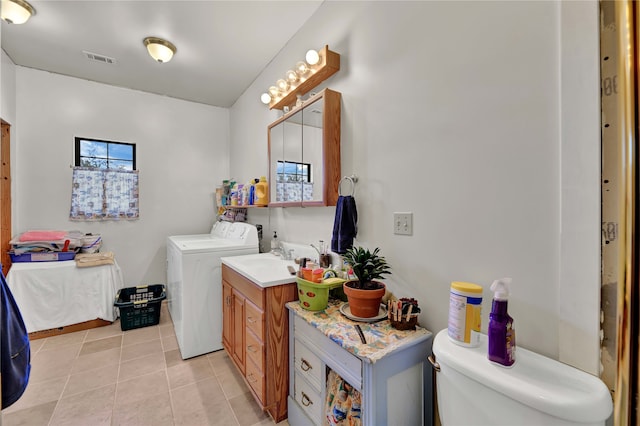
column 104, row 376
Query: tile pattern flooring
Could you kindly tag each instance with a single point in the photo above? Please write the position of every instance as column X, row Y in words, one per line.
column 104, row 376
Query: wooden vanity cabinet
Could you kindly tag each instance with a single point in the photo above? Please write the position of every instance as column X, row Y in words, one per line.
column 255, row 334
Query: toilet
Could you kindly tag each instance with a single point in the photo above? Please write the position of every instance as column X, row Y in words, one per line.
column 536, row 390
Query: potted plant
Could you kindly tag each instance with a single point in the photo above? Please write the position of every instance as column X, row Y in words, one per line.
column 364, row 293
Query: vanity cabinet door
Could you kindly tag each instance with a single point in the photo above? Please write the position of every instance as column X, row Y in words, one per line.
column 238, row 324
column 227, row 316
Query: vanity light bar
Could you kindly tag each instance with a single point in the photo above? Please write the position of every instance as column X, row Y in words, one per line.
column 305, row 76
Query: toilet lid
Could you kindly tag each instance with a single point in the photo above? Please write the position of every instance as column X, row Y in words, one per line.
column 534, row 380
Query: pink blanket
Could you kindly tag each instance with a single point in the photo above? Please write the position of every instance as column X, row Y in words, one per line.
column 43, row 236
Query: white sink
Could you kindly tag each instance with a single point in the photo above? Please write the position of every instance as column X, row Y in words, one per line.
column 264, row 269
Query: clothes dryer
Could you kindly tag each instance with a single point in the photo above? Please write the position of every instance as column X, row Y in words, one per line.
column 194, row 283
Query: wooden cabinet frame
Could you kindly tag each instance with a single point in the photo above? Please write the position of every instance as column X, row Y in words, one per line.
column 255, row 319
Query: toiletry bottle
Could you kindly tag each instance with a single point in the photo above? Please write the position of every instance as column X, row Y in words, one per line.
column 502, row 335
column 245, row 195
column 262, row 192
column 240, row 194
column 274, row 243
column 234, row 196
column 252, row 193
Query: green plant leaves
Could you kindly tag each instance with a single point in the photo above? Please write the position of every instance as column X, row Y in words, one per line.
column 367, row 265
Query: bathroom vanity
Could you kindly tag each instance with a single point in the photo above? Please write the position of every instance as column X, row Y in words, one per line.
column 390, row 372
column 255, row 289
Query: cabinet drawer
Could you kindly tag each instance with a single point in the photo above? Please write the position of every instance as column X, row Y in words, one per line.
column 254, row 319
column 255, row 351
column 346, row 364
column 256, row 380
column 308, row 399
column 308, row 365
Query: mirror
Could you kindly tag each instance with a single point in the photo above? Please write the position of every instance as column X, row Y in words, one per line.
column 304, row 153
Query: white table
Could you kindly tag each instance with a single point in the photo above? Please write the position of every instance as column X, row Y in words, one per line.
column 58, row 294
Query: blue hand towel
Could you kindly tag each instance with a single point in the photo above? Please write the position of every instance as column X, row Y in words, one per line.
column 345, row 225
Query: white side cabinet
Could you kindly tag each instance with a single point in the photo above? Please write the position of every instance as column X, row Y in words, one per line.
column 391, row 371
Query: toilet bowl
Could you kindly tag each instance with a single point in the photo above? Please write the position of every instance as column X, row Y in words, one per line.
column 537, row 390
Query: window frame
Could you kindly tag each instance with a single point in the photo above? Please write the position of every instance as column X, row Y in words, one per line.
column 307, row 177
column 78, row 157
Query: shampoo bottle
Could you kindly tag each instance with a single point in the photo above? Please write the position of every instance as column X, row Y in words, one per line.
column 502, row 335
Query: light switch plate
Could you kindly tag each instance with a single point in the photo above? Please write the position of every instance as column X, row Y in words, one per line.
column 403, row 223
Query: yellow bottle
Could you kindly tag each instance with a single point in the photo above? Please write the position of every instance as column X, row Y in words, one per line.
column 262, row 192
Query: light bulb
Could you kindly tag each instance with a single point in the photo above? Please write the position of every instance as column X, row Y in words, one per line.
column 282, row 85
column 273, row 92
column 301, row 68
column 312, row 57
column 291, row 76
column 265, row 98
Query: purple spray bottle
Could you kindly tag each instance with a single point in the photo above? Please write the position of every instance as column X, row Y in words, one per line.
column 502, row 335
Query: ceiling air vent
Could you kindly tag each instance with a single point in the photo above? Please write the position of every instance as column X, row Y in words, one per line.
column 99, row 58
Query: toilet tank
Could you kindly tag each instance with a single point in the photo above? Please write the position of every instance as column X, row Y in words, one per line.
column 536, row 390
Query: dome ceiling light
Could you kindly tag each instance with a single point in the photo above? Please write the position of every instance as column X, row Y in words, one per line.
column 160, row 49
column 16, row 11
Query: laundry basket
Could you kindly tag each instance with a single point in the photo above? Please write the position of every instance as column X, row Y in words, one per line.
column 140, row 306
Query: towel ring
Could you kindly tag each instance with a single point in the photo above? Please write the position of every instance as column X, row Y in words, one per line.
column 353, row 179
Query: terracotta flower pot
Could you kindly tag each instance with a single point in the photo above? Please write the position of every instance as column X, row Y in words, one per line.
column 364, row 303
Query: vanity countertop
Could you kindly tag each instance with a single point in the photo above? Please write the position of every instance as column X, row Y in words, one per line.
column 264, row 269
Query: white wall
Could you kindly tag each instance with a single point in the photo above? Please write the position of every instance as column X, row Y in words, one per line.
column 8, row 90
column 182, row 153
column 452, row 111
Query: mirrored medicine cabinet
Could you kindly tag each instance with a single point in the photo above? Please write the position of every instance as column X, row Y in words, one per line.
column 304, row 153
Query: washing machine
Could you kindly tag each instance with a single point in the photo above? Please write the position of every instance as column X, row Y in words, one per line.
column 194, row 283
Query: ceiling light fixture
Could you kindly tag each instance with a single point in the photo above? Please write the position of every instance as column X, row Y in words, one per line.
column 16, row 11
column 160, row 49
column 305, row 76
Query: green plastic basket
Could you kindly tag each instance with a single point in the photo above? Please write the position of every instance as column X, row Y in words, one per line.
column 140, row 306
column 315, row 296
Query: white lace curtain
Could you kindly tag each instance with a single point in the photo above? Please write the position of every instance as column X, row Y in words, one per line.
column 104, row 194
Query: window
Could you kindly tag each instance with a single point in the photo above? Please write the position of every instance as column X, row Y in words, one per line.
column 104, row 181
column 105, row 154
column 289, row 171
